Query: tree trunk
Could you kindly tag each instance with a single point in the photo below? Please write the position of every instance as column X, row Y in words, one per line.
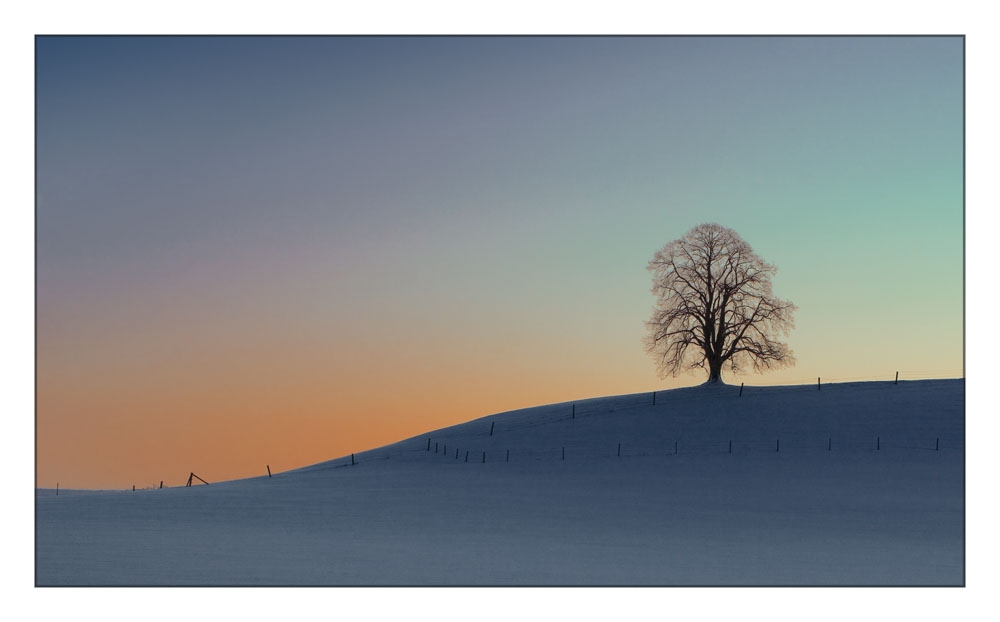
column 714, row 370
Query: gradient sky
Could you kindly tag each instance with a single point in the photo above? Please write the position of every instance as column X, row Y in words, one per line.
column 282, row 250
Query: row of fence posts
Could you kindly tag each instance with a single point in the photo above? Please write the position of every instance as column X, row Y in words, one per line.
column 192, row 477
column 818, row 386
column 188, row 485
column 777, row 448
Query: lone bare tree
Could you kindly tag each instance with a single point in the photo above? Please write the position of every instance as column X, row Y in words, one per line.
column 714, row 306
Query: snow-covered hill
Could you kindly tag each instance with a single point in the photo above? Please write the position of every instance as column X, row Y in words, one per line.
column 852, row 484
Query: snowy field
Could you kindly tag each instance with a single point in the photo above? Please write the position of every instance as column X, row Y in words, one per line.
column 855, row 484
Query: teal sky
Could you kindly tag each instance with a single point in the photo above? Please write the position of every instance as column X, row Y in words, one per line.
column 460, row 215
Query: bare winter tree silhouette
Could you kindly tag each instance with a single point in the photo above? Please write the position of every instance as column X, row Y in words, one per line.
column 714, row 307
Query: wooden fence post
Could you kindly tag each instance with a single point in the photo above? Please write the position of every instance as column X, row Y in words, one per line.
column 730, row 446
column 564, row 453
column 897, row 378
column 619, row 450
column 268, row 474
column 741, row 389
column 817, row 383
column 654, row 398
column 466, row 456
column 133, row 487
column 57, row 489
column 574, row 411
column 352, row 459
column 161, row 483
column 484, row 457
column 491, row 427
column 878, row 443
column 777, row 445
column 428, row 444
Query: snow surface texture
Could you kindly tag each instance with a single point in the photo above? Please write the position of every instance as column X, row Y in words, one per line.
column 854, row 484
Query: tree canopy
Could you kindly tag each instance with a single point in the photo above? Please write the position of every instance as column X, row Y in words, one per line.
column 714, row 307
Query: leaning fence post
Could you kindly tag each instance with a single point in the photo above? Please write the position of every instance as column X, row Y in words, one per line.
column 741, row 389
column 491, row 427
column 466, row 456
column 428, row 444
column 268, row 474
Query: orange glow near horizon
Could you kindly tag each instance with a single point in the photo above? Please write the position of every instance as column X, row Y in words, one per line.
column 226, row 410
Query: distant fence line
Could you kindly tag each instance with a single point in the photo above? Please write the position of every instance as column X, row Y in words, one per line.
column 791, row 445
column 923, row 374
column 796, row 445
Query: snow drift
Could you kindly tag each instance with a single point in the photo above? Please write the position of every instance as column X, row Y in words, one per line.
column 852, row 484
